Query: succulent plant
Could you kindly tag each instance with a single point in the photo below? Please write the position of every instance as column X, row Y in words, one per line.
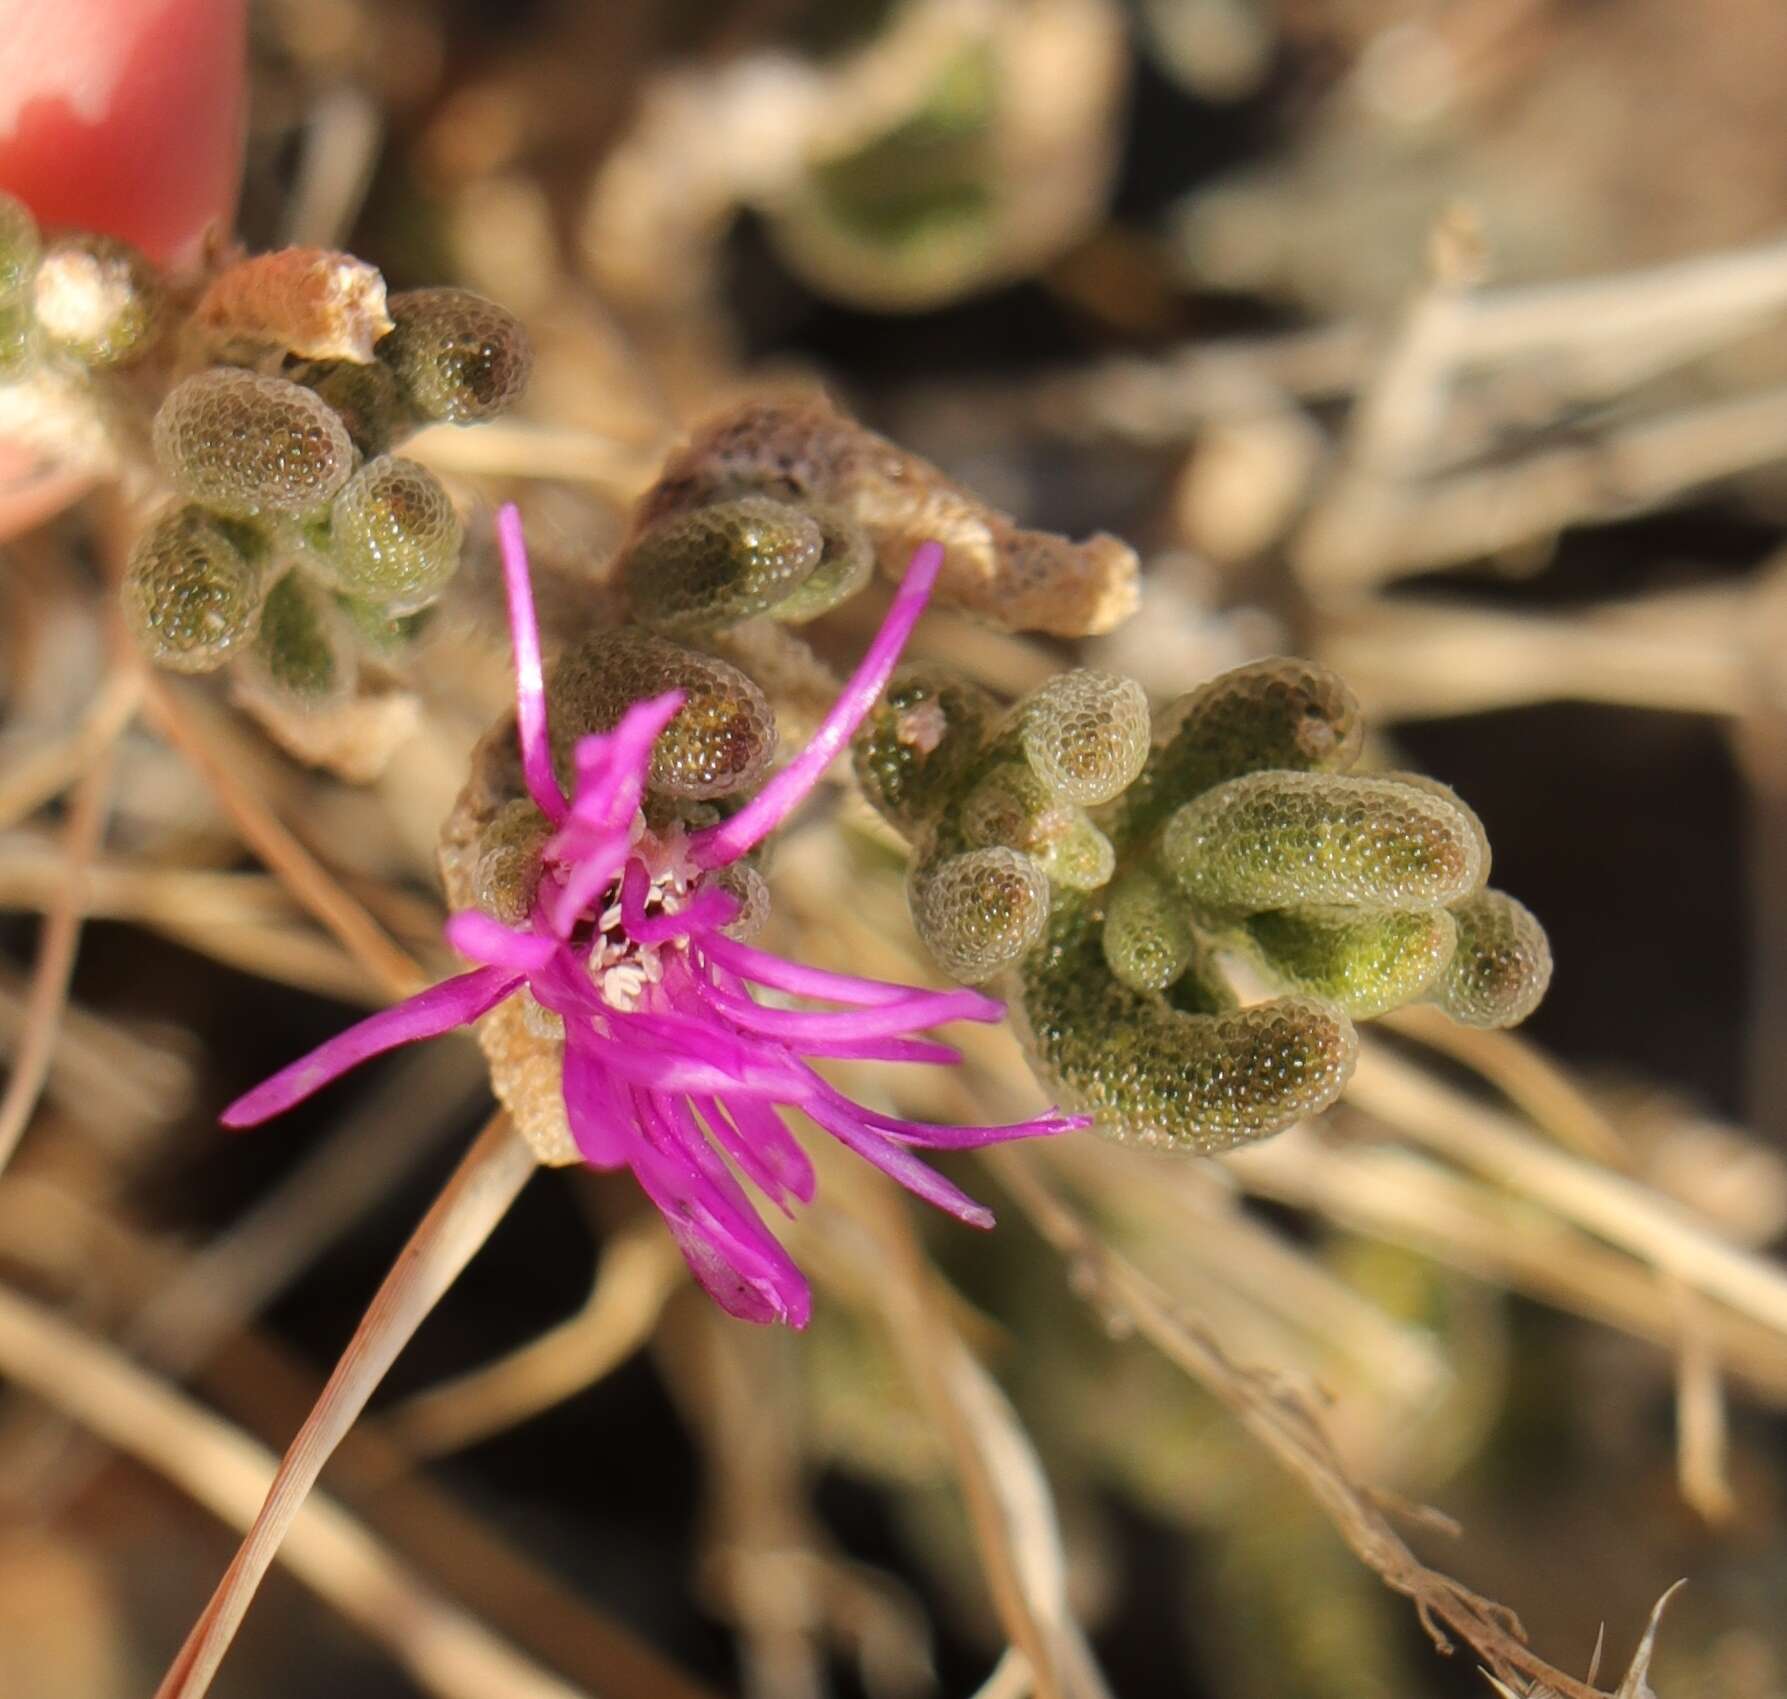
column 1112, row 869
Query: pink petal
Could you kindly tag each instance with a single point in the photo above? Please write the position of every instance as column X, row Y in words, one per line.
column 593, row 865
column 799, row 980
column 614, row 767
column 530, row 679
column 736, row 1258
column 839, row 1118
column 882, row 1050
column 758, row 1140
column 706, row 910
column 662, row 1071
column 597, row 1115
column 939, row 1137
column 716, row 845
column 795, row 1026
column 480, row 939
column 452, row 1003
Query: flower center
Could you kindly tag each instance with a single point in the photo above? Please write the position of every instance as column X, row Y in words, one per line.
column 620, row 965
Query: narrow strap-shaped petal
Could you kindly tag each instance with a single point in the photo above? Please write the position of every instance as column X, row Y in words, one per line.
column 693, row 1039
column 717, row 845
column 738, row 1261
column 593, row 861
column 664, row 1071
column 838, row 1117
column 480, row 939
column 454, row 1002
column 596, row 1111
column 799, row 980
column 530, row 676
column 613, row 767
column 794, row 1026
column 932, row 1135
column 756, row 1137
column 881, row 1050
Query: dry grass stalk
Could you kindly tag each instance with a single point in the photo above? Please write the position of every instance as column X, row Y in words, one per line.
column 1289, row 1427
column 449, row 1653
column 1684, row 653
column 639, row 1271
column 1403, row 1198
column 59, row 941
column 1007, row 1494
column 307, row 879
column 1611, row 1206
column 110, row 1079
column 461, row 1219
column 1525, row 1075
column 32, row 780
column 64, row 1238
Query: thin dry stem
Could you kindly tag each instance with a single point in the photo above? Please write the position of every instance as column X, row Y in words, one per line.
column 1526, row 1076
column 1670, row 312
column 1007, row 1494
column 1470, row 514
column 344, row 132
column 1010, row 1678
column 449, row 1653
column 1685, row 653
column 42, row 773
column 462, row 1218
column 1284, row 1421
column 1617, row 1209
column 64, row 1238
column 339, row 1180
column 639, row 1271
column 111, row 1079
column 246, row 920
column 308, row 880
column 511, row 448
column 1702, row 1439
column 57, row 946
column 1404, row 1198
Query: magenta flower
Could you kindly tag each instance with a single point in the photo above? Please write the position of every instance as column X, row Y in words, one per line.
column 667, row 1053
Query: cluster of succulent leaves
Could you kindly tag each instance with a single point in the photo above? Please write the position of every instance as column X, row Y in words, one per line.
column 1116, row 864
column 297, row 540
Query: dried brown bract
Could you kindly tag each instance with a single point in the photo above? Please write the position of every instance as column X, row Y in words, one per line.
column 310, row 302
column 803, row 450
